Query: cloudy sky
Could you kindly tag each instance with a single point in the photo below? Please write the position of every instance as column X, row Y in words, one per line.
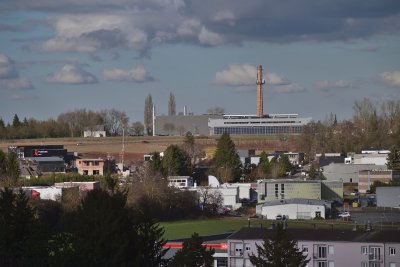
column 319, row 56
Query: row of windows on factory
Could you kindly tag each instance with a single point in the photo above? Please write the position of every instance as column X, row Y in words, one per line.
column 259, row 122
column 258, row 130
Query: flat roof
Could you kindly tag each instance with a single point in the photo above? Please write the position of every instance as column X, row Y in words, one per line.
column 258, row 233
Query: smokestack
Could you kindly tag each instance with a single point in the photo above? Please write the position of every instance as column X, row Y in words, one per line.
column 260, row 82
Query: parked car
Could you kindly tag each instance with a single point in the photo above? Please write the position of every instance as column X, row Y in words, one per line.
column 344, row 214
column 280, row 217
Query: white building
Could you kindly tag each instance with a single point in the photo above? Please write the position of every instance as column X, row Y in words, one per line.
column 95, row 131
column 293, row 208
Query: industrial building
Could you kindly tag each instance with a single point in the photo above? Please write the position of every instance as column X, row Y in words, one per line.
column 258, row 124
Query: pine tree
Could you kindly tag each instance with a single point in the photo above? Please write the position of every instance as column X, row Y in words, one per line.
column 16, row 122
column 278, row 250
column 193, row 254
column 264, row 164
column 226, row 162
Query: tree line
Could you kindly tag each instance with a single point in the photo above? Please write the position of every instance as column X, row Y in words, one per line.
column 372, row 126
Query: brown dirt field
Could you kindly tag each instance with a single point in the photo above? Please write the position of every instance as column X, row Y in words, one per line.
column 136, row 147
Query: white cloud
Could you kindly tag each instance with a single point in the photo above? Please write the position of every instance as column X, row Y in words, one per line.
column 225, row 16
column 207, row 37
column 290, row 88
column 276, row 79
column 20, row 83
column 327, row 85
column 70, row 74
column 188, row 28
column 88, row 33
column 245, row 75
column 237, row 75
column 391, row 78
column 138, row 74
column 7, row 68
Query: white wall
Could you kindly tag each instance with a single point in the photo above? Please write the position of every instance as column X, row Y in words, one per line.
column 292, row 210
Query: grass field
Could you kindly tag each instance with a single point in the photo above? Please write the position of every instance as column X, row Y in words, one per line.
column 136, row 146
column 185, row 228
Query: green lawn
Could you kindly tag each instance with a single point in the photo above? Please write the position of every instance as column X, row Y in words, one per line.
column 185, row 228
column 181, row 229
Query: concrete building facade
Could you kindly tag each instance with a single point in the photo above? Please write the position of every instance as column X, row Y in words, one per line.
column 90, row 166
column 368, row 177
column 348, row 173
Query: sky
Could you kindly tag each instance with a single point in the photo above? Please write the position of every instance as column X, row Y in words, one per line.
column 318, row 56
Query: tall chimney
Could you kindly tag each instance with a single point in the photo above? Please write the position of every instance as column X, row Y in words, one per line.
column 260, row 82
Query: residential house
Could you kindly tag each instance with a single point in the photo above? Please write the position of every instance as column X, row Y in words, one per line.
column 90, row 166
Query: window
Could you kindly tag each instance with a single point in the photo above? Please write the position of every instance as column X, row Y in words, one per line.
column 331, row 250
column 85, row 172
column 331, row 264
column 305, row 249
column 322, row 264
column 392, row 264
column 392, row 251
column 321, row 251
column 247, row 247
column 364, row 264
column 364, row 250
column 96, row 172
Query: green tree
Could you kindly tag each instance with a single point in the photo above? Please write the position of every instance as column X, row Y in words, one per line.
column 16, row 122
column 175, row 161
column 103, row 231
column 193, row 150
column 226, row 162
column 151, row 237
column 393, row 159
column 277, row 250
column 285, row 162
column 193, row 254
column 264, row 165
column 16, row 220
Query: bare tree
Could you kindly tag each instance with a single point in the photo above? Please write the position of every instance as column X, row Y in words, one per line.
column 210, row 199
column 138, row 128
column 171, row 105
column 148, row 114
column 79, row 119
column 115, row 121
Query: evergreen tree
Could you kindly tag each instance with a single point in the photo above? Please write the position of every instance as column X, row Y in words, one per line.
column 393, row 159
column 16, row 220
column 285, row 162
column 175, row 161
column 278, row 250
column 226, row 162
column 103, row 231
column 2, row 124
column 16, row 122
column 193, row 254
column 171, row 105
column 155, row 163
column 10, row 169
column 151, row 238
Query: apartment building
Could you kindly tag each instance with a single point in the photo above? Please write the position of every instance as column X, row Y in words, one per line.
column 324, row 247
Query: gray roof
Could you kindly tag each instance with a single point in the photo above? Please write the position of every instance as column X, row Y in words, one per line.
column 314, row 202
column 386, row 236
